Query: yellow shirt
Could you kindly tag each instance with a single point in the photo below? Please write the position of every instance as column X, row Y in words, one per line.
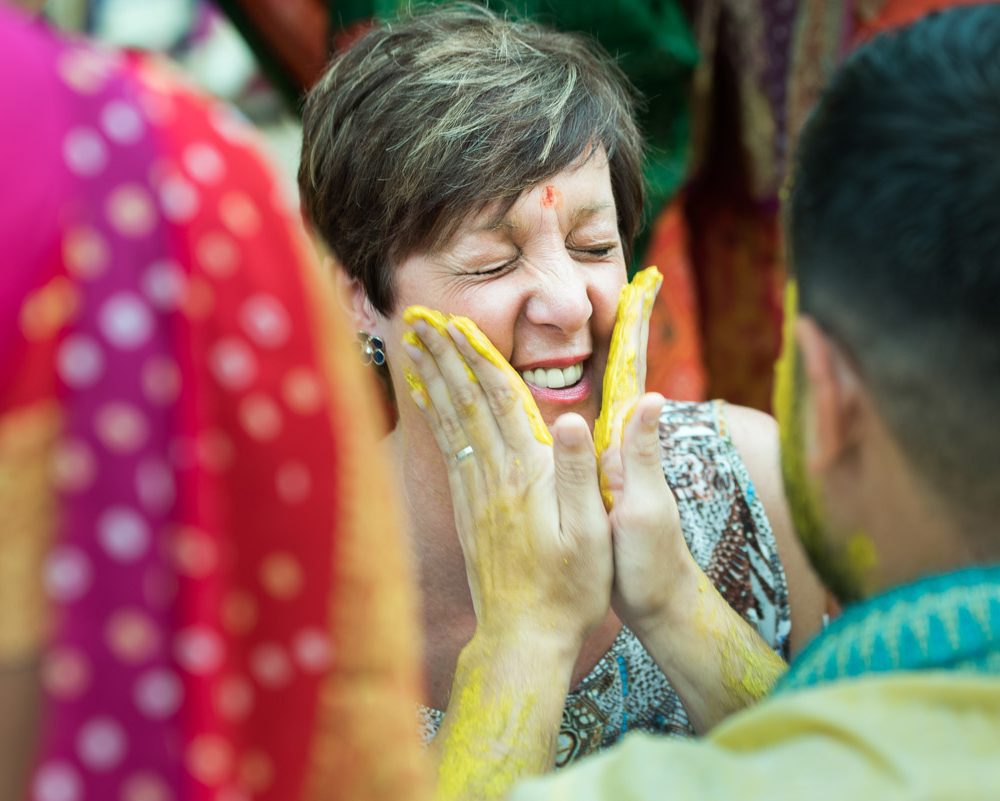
column 927, row 736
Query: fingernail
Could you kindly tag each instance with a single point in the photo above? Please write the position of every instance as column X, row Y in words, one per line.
column 411, row 338
column 419, row 398
column 651, row 416
column 568, row 436
column 415, row 352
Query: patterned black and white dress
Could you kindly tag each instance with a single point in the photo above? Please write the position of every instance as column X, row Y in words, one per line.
column 730, row 537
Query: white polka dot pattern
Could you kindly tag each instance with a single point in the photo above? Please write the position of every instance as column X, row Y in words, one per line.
column 130, row 211
column 164, row 284
column 101, row 744
column 123, row 533
column 58, row 781
column 199, row 650
column 204, row 163
column 85, row 152
column 178, row 199
column 233, row 363
column 158, row 694
column 121, row 427
column 271, row 666
column 265, row 321
column 122, row 123
column 80, row 361
column 68, row 573
column 126, row 321
column 193, row 388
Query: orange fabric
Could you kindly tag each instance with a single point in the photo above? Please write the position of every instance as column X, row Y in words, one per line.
column 895, row 13
column 370, row 691
column 736, row 246
column 675, row 365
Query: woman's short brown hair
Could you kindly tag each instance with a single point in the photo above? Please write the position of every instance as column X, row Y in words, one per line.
column 434, row 117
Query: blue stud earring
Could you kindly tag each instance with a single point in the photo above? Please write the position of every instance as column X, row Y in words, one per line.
column 372, row 349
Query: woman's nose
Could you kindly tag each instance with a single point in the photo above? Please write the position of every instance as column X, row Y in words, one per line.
column 560, row 296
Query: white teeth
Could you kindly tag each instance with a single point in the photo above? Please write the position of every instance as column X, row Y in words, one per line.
column 554, row 377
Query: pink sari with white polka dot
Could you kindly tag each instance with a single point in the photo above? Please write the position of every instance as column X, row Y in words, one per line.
column 182, row 431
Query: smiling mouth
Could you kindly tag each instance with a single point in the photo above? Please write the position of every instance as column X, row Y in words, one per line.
column 554, row 377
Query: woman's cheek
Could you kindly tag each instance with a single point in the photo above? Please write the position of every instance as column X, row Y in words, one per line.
column 496, row 313
column 605, row 300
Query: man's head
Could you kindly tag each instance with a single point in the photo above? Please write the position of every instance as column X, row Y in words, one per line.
column 894, row 241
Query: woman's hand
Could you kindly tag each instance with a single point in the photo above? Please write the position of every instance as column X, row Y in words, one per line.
column 654, row 570
column 650, row 555
column 529, row 515
column 624, row 374
column 537, row 551
column 714, row 659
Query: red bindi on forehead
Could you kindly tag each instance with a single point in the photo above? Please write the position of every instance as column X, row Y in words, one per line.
column 551, row 197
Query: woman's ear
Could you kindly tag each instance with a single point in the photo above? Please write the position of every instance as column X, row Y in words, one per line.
column 834, row 392
column 352, row 297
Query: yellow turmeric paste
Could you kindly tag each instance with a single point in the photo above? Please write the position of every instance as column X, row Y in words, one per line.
column 485, row 348
column 621, row 380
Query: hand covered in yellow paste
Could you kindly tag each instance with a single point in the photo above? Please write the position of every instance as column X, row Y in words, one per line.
column 625, row 374
column 529, row 515
column 713, row 658
column 653, row 566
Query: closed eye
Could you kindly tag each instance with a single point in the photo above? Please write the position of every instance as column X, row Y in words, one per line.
column 500, row 268
column 600, row 252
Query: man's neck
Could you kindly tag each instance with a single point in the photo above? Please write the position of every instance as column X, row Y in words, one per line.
column 916, row 533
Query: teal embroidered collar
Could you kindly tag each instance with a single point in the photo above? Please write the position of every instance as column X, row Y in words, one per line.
column 946, row 622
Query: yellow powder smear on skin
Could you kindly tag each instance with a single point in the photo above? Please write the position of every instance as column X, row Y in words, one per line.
column 862, row 557
column 433, row 318
column 621, row 381
column 466, row 750
column 410, row 338
column 749, row 668
column 803, row 498
column 846, row 569
column 416, row 386
column 485, row 348
column 439, row 322
column 750, row 672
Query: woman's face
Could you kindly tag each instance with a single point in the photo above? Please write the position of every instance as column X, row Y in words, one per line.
column 541, row 281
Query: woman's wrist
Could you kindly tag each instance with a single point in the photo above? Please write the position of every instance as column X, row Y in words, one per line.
column 523, row 649
column 672, row 614
column 506, row 701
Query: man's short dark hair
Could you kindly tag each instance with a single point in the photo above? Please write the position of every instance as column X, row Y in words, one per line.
column 894, row 236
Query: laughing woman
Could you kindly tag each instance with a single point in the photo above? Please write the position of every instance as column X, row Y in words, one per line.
column 490, row 169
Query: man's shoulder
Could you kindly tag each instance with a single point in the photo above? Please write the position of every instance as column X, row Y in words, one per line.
column 874, row 737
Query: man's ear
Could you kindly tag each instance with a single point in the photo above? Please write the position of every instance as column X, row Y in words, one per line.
column 835, row 394
column 352, row 296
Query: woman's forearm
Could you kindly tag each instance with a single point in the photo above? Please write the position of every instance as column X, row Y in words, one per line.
column 503, row 718
column 715, row 660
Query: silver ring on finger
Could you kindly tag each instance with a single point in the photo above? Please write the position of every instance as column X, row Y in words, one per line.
column 463, row 454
